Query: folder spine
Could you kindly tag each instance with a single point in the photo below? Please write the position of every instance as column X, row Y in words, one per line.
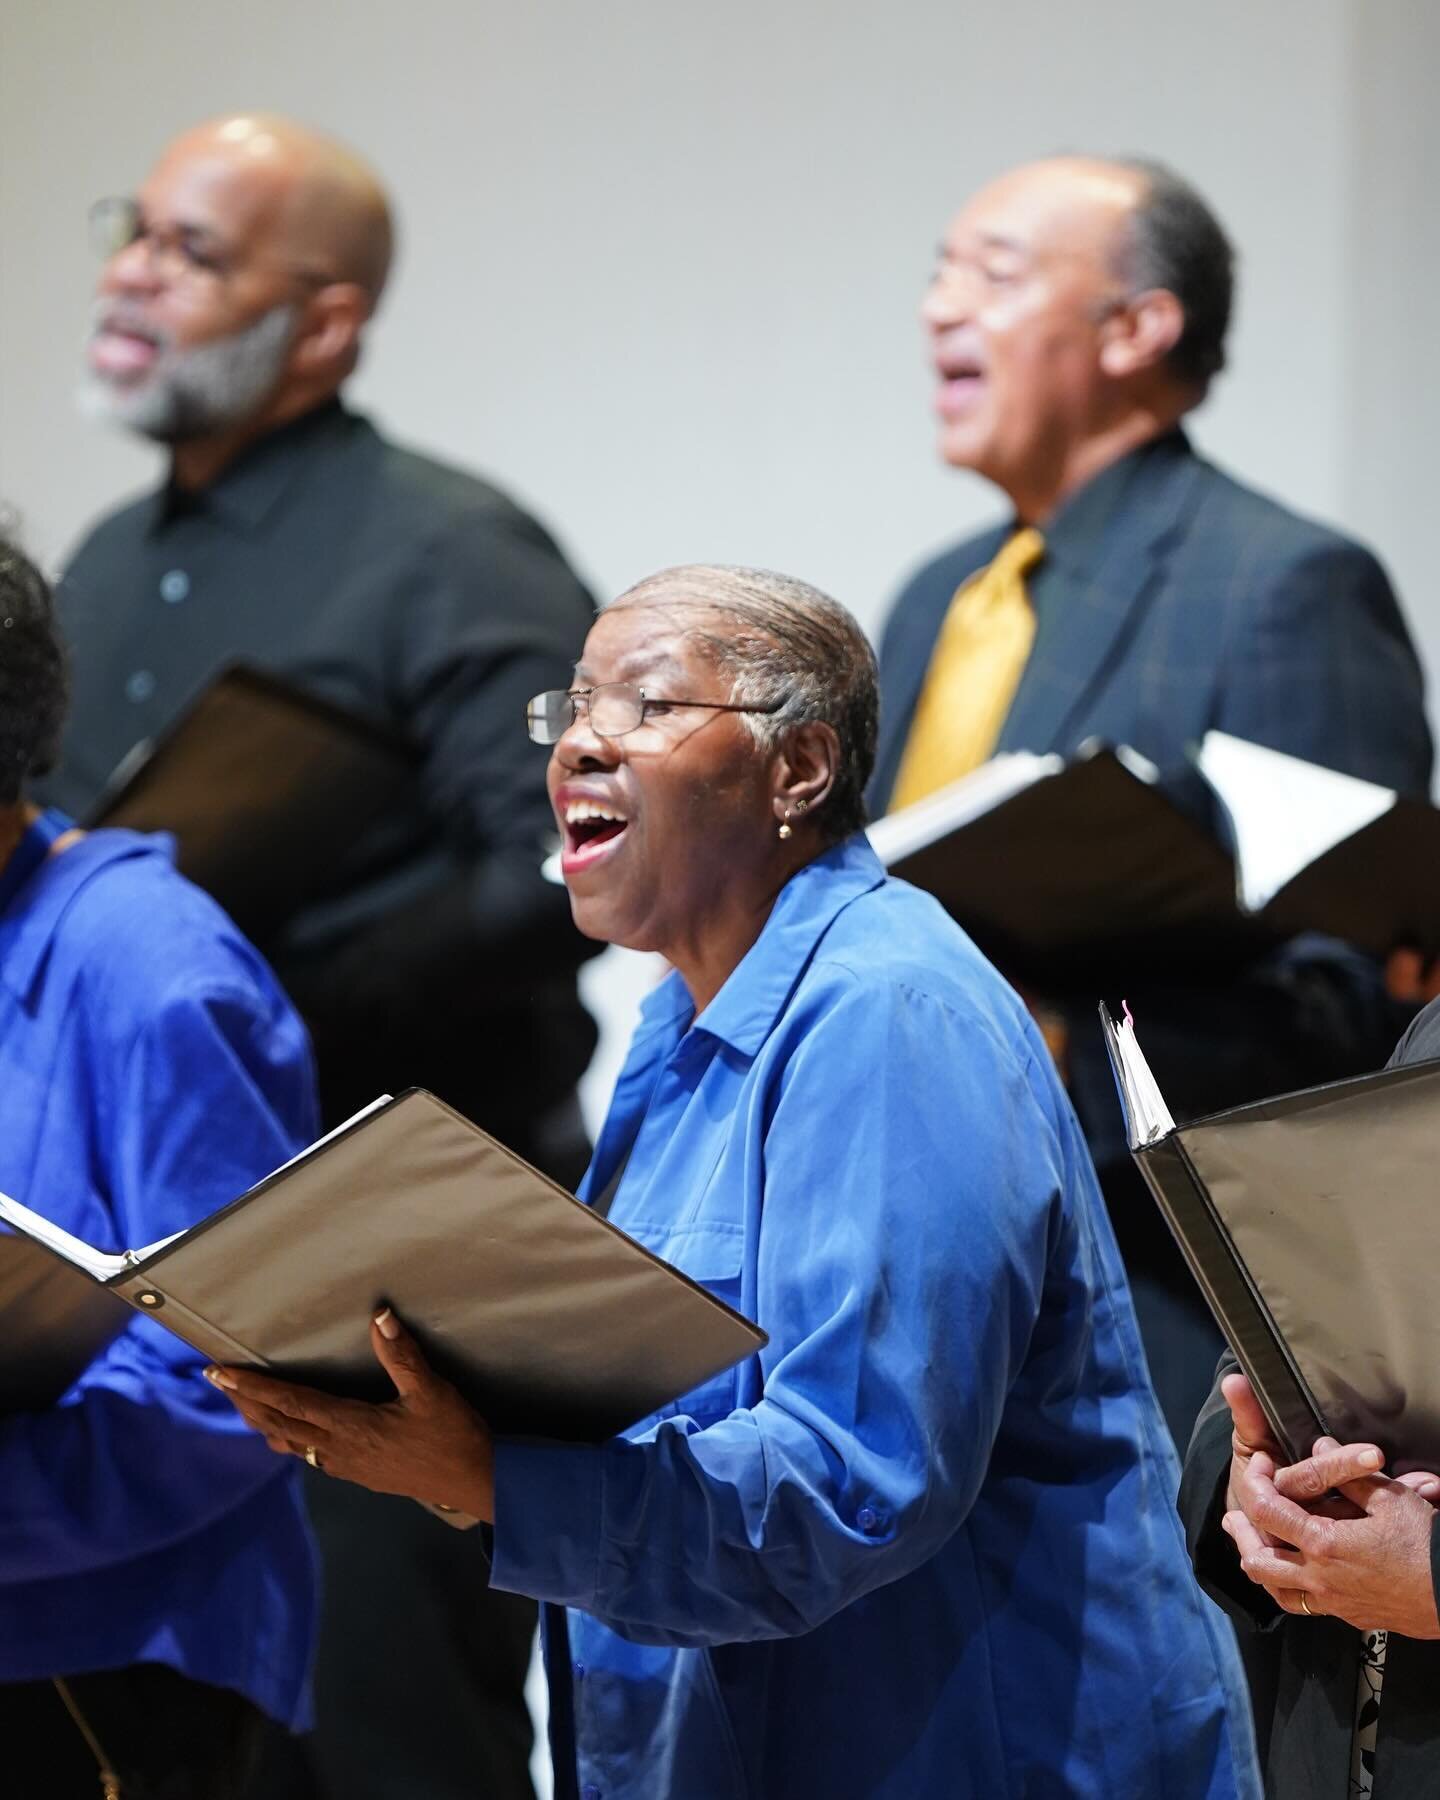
column 1231, row 1294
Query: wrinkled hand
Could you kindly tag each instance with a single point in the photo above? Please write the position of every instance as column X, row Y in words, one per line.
column 427, row 1443
column 1315, row 1483
column 1251, row 1432
column 1371, row 1569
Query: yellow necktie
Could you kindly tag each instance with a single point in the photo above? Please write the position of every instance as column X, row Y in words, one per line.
column 974, row 671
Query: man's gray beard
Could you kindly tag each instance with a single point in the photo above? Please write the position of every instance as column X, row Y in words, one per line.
column 198, row 392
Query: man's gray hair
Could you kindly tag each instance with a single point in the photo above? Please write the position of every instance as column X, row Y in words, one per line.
column 1174, row 241
column 784, row 644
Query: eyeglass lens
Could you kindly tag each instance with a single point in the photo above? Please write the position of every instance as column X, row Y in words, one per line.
column 614, row 709
column 113, row 224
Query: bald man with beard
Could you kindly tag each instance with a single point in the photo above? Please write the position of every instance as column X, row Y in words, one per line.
column 237, row 290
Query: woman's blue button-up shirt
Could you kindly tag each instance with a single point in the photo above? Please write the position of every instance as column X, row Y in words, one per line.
column 923, row 1546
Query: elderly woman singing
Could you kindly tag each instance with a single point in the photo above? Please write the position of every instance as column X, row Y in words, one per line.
column 923, row 1545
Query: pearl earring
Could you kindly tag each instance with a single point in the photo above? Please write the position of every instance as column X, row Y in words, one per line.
column 785, row 830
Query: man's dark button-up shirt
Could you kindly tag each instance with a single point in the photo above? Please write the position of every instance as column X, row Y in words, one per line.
column 423, row 598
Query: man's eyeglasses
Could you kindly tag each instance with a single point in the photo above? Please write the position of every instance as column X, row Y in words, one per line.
column 613, row 708
column 177, row 252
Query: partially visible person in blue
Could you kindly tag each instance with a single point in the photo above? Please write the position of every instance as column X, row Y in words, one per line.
column 156, row 1588
column 922, row 1547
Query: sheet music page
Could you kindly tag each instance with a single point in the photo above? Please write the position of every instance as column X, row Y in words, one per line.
column 1286, row 812
column 1147, row 1112
column 900, row 834
column 28, row 1223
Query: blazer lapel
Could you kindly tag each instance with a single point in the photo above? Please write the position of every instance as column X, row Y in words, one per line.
column 1084, row 639
column 910, row 642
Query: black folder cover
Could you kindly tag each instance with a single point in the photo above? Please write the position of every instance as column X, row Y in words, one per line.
column 1309, row 1222
column 56, row 1321
column 1084, row 870
column 264, row 786
column 551, row 1321
column 1378, row 888
column 1096, row 872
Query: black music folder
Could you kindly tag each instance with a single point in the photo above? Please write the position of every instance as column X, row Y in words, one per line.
column 265, row 786
column 548, row 1318
column 1060, row 870
column 1309, row 1222
column 1316, row 850
column 1068, row 873
column 56, row 1322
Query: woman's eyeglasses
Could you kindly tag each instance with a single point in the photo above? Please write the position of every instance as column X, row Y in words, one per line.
column 614, row 708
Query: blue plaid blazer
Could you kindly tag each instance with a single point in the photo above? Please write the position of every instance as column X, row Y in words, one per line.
column 1197, row 604
column 1205, row 605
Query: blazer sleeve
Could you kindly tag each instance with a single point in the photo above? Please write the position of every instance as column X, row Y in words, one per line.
column 1324, row 668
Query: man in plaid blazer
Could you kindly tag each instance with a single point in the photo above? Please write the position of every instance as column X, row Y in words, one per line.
column 1078, row 313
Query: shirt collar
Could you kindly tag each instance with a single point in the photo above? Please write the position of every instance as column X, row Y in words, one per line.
column 246, row 490
column 743, row 1013
column 1075, row 534
column 28, row 926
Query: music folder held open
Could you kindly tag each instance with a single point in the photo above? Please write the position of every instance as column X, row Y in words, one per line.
column 550, row 1320
column 1070, row 874
column 1309, row 1223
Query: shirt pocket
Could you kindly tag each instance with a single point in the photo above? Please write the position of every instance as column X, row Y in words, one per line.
column 711, row 1253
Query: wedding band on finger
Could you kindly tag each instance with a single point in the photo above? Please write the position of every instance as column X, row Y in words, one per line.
column 1305, row 1606
column 312, row 1456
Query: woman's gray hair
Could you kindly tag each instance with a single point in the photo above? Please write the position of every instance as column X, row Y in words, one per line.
column 784, row 644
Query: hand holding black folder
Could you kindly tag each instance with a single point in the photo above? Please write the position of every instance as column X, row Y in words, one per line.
column 1309, row 1222
column 548, row 1319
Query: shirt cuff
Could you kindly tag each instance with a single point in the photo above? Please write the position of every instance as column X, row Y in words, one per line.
column 548, row 1499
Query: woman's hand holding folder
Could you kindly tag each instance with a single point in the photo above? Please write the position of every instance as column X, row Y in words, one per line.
column 427, row 1444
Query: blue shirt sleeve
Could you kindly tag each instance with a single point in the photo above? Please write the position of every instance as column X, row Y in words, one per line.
column 207, row 1093
column 914, row 1193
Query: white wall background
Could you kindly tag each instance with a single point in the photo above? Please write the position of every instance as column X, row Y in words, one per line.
column 660, row 262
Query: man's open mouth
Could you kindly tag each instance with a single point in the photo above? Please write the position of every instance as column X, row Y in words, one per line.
column 120, row 348
column 962, row 380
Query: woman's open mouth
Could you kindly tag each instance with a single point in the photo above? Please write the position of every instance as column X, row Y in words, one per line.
column 592, row 832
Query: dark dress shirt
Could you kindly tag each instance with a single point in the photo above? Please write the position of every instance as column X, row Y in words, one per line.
column 423, row 598
column 1309, row 1690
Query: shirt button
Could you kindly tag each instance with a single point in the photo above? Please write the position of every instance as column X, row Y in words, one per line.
column 140, row 686
column 174, row 586
column 867, row 1518
column 579, row 1671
